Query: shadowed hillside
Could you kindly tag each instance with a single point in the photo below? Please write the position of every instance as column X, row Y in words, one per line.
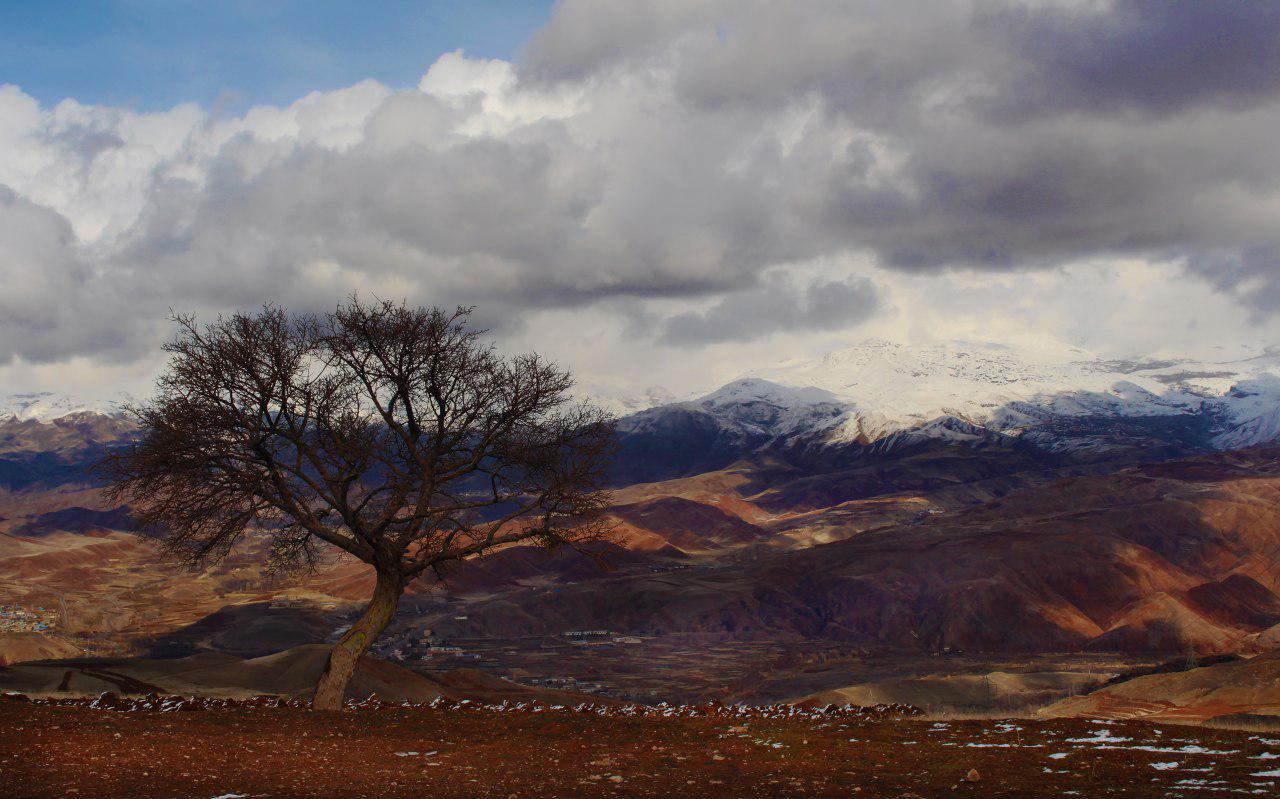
column 1175, row 557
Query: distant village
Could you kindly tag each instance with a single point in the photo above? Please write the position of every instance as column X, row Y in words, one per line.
column 426, row 645
column 17, row 619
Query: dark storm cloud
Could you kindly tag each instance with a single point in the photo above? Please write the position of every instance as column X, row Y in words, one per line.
column 775, row 306
column 1150, row 56
column 1168, row 147
column 1251, row 275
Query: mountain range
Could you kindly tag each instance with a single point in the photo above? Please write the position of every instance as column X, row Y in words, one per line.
column 877, row 389
column 834, row 519
column 880, row 397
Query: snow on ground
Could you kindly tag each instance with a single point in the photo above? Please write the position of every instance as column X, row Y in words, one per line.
column 1100, row 737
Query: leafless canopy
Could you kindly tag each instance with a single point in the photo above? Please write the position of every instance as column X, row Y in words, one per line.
column 392, row 433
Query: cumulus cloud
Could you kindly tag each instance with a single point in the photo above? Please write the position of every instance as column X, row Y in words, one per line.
column 673, row 161
column 1002, row 134
column 53, row 302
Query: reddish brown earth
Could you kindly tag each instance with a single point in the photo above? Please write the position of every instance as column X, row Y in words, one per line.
column 290, row 674
column 79, row 752
column 714, row 584
column 1164, row 559
column 689, row 525
column 1236, row 691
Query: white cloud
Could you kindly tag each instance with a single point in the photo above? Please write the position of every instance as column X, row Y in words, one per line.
column 671, row 192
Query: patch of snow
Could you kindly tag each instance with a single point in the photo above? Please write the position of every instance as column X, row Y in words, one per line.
column 1194, row 783
column 1100, row 737
column 1172, row 750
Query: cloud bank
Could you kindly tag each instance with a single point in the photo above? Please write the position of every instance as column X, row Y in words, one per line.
column 715, row 173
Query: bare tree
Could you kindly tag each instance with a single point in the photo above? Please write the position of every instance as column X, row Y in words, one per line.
column 391, row 433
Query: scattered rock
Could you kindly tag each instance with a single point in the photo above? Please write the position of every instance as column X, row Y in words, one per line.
column 155, row 702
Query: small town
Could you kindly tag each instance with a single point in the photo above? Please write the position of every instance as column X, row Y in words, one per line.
column 18, row 619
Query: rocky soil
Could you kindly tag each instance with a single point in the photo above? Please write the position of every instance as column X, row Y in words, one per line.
column 469, row 750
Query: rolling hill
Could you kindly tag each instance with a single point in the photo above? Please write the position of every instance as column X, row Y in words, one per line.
column 881, row 504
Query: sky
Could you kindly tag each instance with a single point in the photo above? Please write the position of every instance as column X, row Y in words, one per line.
column 150, row 55
column 652, row 192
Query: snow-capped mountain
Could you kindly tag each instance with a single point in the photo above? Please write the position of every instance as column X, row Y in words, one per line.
column 773, row 409
column 46, row 405
column 887, row 394
column 881, row 396
column 910, row 384
column 887, row 387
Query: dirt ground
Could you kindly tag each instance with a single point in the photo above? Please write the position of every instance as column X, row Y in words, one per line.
column 48, row 751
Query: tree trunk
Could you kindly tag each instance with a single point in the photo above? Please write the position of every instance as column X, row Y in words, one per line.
column 332, row 688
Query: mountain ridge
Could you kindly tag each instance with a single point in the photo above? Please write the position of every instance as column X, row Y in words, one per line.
column 880, row 397
column 47, row 406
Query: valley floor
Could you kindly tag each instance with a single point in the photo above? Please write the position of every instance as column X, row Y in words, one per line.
column 48, row 751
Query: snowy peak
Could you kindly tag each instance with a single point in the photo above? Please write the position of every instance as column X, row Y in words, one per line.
column 758, row 390
column 917, row 382
column 46, row 406
column 911, row 385
column 1057, row 397
column 768, row 408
